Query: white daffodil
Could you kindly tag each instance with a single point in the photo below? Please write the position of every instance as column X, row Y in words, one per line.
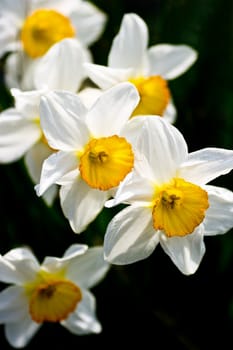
column 169, row 201
column 93, row 156
column 148, row 69
column 20, row 130
column 30, row 27
column 55, row 291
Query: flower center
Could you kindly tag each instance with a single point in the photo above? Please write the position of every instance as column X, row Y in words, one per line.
column 106, row 161
column 179, row 207
column 154, row 95
column 42, row 29
column 52, row 299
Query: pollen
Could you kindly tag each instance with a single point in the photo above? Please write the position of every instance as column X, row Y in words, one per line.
column 179, row 207
column 42, row 29
column 154, row 95
column 106, row 161
column 53, row 300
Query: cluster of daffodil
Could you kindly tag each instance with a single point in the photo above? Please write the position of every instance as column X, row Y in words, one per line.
column 99, row 146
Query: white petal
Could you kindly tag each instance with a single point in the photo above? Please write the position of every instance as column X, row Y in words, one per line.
column 88, row 269
column 27, row 102
column 21, row 332
column 54, row 168
column 206, row 164
column 19, row 71
column 70, row 176
column 75, row 250
column 50, row 195
column 11, row 17
column 130, row 236
column 17, row 135
column 55, row 265
column 106, row 77
column 8, row 273
column 16, row 8
column 170, row 61
column 219, row 216
column 135, row 189
column 89, row 22
column 34, row 159
column 60, row 5
column 62, row 66
column 61, row 116
column 9, row 27
column 83, row 320
column 13, row 304
column 170, row 113
column 185, row 252
column 18, row 266
column 81, row 204
column 129, row 46
column 162, row 145
column 19, row 254
column 112, row 110
column 13, row 70
column 89, row 95
column 28, row 72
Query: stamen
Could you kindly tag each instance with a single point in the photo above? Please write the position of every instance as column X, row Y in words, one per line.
column 171, row 198
column 106, row 161
column 100, row 157
column 179, row 207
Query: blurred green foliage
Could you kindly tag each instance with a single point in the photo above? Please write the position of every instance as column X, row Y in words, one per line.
column 149, row 301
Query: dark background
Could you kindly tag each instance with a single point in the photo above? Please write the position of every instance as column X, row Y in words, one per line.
column 149, row 301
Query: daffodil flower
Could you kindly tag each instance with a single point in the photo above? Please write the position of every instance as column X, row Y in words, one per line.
column 20, row 130
column 168, row 201
column 93, row 156
column 30, row 28
column 57, row 290
column 148, row 69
